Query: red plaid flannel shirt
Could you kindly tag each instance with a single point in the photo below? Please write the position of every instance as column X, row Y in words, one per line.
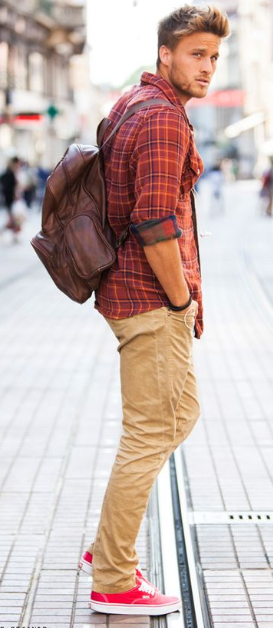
column 151, row 165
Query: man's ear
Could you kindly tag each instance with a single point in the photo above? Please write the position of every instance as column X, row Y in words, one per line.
column 164, row 55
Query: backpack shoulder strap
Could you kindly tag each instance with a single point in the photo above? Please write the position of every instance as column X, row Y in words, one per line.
column 103, row 125
column 130, row 112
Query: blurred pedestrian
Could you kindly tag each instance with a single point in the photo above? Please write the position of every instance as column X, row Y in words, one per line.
column 28, row 181
column 151, row 296
column 8, row 180
column 266, row 191
column 42, row 175
column 12, row 194
column 216, row 179
column 227, row 167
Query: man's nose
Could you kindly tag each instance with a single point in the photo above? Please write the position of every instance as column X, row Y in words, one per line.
column 206, row 65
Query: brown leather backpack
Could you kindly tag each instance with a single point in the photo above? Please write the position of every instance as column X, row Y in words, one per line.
column 76, row 243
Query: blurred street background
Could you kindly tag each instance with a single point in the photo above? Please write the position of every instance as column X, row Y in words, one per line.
column 63, row 64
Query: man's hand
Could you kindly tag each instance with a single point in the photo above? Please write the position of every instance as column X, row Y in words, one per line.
column 165, row 261
column 193, row 307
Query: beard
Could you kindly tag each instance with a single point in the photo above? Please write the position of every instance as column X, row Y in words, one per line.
column 183, row 86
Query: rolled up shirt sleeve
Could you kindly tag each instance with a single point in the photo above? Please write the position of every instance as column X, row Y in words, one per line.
column 153, row 231
column 158, row 161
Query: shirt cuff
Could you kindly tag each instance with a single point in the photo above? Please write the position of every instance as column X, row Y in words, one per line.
column 156, row 230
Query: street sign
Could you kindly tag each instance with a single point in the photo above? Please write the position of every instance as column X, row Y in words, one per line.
column 52, row 111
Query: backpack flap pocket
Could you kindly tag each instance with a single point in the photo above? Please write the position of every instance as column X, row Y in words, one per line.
column 89, row 250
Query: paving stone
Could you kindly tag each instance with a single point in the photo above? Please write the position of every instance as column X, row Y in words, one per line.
column 49, row 596
column 50, row 604
column 85, row 619
column 261, row 597
column 129, row 619
column 42, row 621
column 55, row 624
column 90, row 622
column 55, row 612
column 230, row 604
column 96, row 618
column 9, row 613
column 230, row 612
column 226, row 597
column 134, row 624
column 14, row 589
column 234, row 624
column 11, row 598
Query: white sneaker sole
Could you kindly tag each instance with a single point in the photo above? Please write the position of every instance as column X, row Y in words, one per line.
column 134, row 609
column 85, row 566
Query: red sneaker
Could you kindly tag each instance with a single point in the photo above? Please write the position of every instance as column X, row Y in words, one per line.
column 85, row 565
column 143, row 599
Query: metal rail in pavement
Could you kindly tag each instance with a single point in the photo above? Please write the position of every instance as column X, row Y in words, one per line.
column 182, row 574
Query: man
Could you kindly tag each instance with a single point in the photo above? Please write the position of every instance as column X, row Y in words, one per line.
column 9, row 184
column 151, row 297
column 267, row 189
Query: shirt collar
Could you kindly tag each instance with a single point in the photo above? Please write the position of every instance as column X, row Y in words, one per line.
column 147, row 78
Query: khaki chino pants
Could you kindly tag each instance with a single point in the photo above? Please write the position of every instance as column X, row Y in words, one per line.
column 160, row 408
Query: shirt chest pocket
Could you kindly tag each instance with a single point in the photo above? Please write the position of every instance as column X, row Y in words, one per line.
column 190, row 174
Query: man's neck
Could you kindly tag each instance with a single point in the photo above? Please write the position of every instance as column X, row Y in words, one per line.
column 182, row 97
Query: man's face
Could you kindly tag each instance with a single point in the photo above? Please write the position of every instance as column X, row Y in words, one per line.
column 190, row 67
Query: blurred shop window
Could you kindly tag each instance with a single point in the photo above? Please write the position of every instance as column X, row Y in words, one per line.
column 36, row 72
column 4, row 54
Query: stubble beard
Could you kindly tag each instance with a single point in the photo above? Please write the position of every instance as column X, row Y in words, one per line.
column 184, row 88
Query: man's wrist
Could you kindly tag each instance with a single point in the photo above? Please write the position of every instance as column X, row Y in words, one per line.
column 179, row 308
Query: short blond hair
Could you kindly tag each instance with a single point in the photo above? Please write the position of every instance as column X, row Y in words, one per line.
column 191, row 19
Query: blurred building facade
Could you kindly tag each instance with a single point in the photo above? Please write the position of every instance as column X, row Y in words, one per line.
column 224, row 103
column 256, row 54
column 46, row 100
column 236, row 119
column 38, row 113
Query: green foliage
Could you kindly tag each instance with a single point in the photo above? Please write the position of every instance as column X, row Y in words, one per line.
column 135, row 76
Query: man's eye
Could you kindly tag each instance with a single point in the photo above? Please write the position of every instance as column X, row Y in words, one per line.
column 215, row 58
column 197, row 54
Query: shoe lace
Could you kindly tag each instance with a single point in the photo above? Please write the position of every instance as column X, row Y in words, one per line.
column 147, row 588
